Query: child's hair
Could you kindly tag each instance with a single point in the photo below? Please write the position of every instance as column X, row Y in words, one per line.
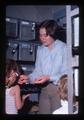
column 10, row 65
column 63, row 87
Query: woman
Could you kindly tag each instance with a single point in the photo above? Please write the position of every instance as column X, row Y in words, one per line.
column 51, row 64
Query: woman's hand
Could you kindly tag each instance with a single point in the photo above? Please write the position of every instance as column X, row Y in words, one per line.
column 42, row 79
column 23, row 79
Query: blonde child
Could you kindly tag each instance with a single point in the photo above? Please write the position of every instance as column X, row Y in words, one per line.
column 63, row 92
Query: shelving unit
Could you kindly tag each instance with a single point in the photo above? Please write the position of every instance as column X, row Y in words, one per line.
column 21, row 41
column 73, row 60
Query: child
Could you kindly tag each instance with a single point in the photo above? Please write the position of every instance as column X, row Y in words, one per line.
column 13, row 101
column 63, row 91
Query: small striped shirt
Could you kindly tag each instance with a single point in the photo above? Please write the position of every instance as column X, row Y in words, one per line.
column 10, row 107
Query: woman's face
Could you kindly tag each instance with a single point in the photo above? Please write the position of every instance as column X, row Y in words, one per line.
column 45, row 39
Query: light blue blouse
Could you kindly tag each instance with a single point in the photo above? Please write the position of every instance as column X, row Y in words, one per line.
column 52, row 62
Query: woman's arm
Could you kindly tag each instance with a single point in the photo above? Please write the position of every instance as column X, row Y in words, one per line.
column 64, row 66
column 37, row 71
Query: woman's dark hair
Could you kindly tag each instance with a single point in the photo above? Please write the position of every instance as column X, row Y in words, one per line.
column 53, row 29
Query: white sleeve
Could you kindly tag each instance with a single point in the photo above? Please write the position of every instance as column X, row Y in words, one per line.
column 37, row 70
column 63, row 70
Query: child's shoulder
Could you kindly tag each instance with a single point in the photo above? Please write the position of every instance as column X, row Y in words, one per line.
column 16, row 87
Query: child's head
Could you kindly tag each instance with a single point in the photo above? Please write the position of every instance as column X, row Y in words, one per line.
column 11, row 72
column 63, row 87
